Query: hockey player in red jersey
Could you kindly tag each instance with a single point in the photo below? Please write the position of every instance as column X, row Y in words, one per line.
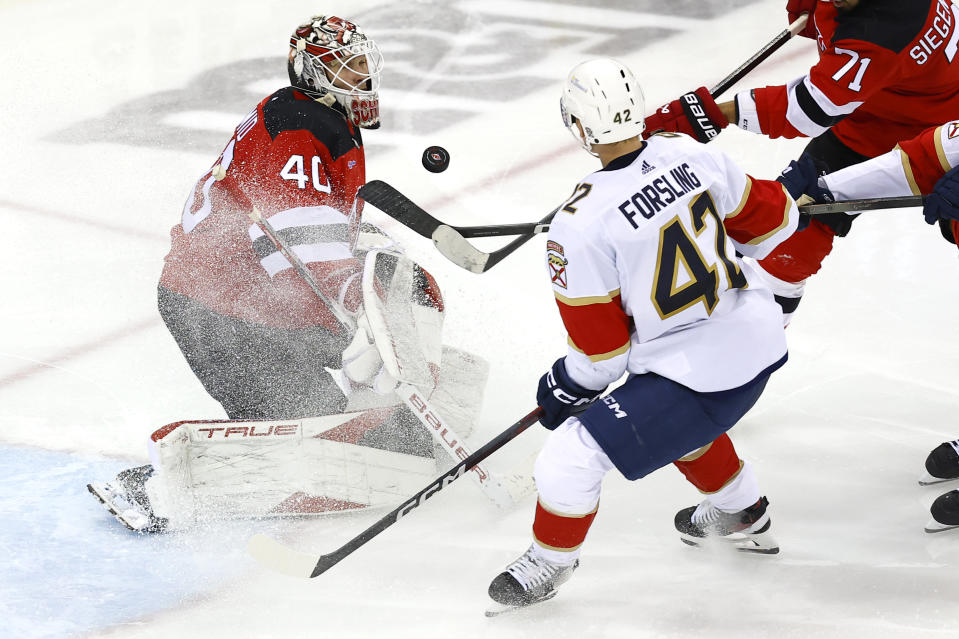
column 927, row 164
column 886, row 71
column 248, row 325
column 644, row 266
column 252, row 330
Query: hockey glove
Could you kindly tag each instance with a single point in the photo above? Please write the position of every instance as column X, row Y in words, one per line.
column 695, row 114
column 801, row 179
column 943, row 202
column 362, row 363
column 795, row 8
column 560, row 397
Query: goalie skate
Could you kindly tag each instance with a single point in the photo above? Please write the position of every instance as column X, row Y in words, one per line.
column 746, row 530
column 531, row 579
column 123, row 499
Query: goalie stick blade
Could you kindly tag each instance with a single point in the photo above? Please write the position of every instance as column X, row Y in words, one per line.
column 271, row 554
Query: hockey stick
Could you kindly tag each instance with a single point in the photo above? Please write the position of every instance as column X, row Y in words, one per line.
column 871, row 204
column 443, row 434
column 346, row 322
column 496, row 487
column 449, row 240
column 771, row 47
column 276, row 556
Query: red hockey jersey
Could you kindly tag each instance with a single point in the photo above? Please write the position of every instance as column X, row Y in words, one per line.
column 299, row 162
column 886, row 71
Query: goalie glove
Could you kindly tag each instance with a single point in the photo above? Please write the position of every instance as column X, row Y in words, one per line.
column 362, row 363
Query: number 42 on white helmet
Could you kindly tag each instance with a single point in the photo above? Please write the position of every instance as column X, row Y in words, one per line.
column 602, row 103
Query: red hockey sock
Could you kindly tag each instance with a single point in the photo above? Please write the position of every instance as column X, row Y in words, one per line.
column 560, row 532
column 712, row 469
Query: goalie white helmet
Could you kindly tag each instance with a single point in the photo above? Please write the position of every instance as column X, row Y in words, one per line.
column 605, row 98
column 332, row 56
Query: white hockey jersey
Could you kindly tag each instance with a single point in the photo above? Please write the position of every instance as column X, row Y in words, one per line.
column 643, row 264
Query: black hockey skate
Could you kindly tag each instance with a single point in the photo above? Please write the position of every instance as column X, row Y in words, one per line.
column 746, row 530
column 529, row 580
column 945, row 513
column 942, row 464
column 127, row 500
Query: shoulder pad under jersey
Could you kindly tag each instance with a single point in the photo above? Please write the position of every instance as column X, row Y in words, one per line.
column 890, row 24
column 284, row 111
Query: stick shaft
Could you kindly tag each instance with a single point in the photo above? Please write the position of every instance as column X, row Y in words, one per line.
column 345, row 322
column 870, row 204
column 325, row 562
column 782, row 38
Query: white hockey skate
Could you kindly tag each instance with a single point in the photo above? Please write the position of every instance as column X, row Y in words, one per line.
column 746, row 530
column 529, row 580
column 126, row 500
column 945, row 513
column 942, row 464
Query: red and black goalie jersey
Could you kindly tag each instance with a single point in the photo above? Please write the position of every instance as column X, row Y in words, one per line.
column 299, row 162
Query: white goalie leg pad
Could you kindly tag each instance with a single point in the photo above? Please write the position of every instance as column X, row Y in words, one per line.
column 213, row 470
column 459, row 392
column 757, row 277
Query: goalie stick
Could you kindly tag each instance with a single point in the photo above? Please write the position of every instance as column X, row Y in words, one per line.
column 503, row 491
column 283, row 559
column 451, row 240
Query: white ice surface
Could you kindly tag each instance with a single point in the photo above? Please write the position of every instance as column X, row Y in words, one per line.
column 87, row 369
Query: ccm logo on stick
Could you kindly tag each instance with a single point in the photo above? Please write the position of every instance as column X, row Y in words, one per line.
column 250, row 431
column 429, row 492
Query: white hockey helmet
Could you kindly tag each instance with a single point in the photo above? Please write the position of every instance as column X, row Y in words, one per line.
column 332, row 56
column 606, row 99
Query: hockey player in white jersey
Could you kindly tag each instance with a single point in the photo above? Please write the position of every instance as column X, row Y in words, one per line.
column 644, row 267
column 927, row 164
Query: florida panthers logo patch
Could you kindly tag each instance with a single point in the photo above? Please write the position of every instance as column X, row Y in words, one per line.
column 556, row 263
column 952, row 130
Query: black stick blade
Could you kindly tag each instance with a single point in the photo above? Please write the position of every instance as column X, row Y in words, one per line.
column 398, row 206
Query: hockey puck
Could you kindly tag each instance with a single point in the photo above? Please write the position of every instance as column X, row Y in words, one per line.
column 436, row 159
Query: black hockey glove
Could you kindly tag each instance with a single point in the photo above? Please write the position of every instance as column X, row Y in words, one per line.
column 560, row 397
column 943, row 202
column 802, row 178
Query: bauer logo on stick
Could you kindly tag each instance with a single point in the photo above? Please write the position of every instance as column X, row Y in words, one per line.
column 436, row 159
